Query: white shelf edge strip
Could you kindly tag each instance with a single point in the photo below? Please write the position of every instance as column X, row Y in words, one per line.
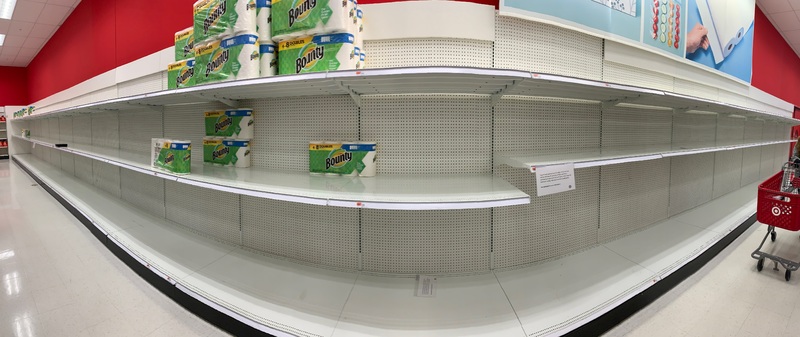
column 455, row 205
column 646, row 157
column 234, row 315
column 413, row 71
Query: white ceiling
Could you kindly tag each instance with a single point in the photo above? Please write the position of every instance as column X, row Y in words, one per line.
column 31, row 25
column 35, row 21
column 785, row 16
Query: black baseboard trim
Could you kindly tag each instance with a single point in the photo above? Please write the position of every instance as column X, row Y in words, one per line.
column 221, row 320
column 630, row 307
column 235, row 327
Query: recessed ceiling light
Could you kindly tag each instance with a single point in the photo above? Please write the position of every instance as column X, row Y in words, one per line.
column 7, row 8
column 2, row 39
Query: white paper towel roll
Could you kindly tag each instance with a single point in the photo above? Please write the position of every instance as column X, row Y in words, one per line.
column 269, row 63
column 245, row 18
column 244, row 56
column 264, row 20
column 370, row 161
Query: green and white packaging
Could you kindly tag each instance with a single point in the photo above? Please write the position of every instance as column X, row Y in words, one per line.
column 357, row 158
column 296, row 18
column 317, row 54
column 264, row 20
column 184, row 44
column 234, row 58
column 215, row 18
column 174, row 156
column 234, row 123
column 269, row 63
column 180, row 74
column 226, row 152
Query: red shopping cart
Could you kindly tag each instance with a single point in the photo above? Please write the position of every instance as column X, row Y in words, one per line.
column 779, row 207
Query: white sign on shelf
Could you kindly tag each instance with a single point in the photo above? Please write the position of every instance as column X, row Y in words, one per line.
column 555, row 179
column 426, row 286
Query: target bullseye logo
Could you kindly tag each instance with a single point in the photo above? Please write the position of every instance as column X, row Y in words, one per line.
column 776, row 211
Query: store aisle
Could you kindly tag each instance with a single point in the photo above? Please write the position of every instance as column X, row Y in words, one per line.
column 56, row 279
column 728, row 296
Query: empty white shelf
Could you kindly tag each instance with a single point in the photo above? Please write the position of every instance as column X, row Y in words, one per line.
column 619, row 155
column 279, row 296
column 416, row 80
column 400, row 192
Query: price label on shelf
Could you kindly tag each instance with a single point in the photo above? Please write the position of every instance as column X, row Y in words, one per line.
column 426, row 286
column 555, row 179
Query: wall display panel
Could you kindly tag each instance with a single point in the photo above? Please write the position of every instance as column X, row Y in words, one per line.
column 68, row 163
column 730, row 129
column 636, row 127
column 139, row 127
column 105, row 130
column 545, row 126
column 425, row 241
column 633, row 196
column 428, row 52
column 692, row 88
column 538, row 47
column 767, row 162
column 781, row 156
column 144, row 191
column 429, row 134
column 284, row 128
column 549, row 226
column 210, row 213
column 82, row 129
column 319, row 235
column 53, row 129
column 753, row 130
column 727, row 172
column 751, row 165
column 691, row 182
column 142, row 85
column 84, row 169
column 624, row 74
column 106, row 177
column 65, row 129
column 693, row 128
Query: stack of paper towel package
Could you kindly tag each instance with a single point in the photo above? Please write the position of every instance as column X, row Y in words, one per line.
column 241, row 39
column 228, row 137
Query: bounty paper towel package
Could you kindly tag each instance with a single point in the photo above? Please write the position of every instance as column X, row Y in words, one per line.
column 226, row 152
column 234, row 58
column 180, row 74
column 269, row 63
column 184, row 44
column 174, row 156
column 317, row 53
column 264, row 20
column 297, row 18
column 213, row 18
column 356, row 158
column 230, row 123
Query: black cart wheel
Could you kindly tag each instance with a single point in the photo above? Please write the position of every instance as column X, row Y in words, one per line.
column 760, row 264
column 773, row 235
column 788, row 275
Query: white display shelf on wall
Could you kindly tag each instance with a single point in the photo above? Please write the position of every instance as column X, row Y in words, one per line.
column 620, row 155
column 495, row 83
column 391, row 192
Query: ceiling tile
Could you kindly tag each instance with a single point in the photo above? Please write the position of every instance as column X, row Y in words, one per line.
column 34, row 42
column 786, row 21
column 41, row 30
column 775, row 6
column 20, row 63
column 4, row 24
column 795, row 4
column 20, row 28
column 10, row 50
column 14, row 41
column 68, row 3
column 27, row 11
column 30, row 52
column 792, row 36
column 53, row 14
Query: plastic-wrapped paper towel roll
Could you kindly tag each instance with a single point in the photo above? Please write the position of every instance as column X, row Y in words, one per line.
column 348, row 158
column 316, row 53
column 370, row 159
column 362, row 61
column 264, row 20
column 184, row 44
column 269, row 63
column 226, row 152
column 234, row 123
column 293, row 19
column 171, row 155
column 233, row 58
column 213, row 18
column 180, row 74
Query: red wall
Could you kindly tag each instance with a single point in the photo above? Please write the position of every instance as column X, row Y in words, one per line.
column 101, row 35
column 13, row 86
column 776, row 67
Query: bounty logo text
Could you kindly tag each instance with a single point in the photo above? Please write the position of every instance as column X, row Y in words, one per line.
column 338, row 158
column 214, row 16
column 217, row 62
column 309, row 57
column 222, row 123
column 301, row 11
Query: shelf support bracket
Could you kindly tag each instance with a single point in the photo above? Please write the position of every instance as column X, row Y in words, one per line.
column 356, row 97
column 614, row 102
column 227, row 101
column 148, row 107
column 679, row 110
column 499, row 95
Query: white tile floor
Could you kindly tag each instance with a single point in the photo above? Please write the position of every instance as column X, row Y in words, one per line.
column 56, row 279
